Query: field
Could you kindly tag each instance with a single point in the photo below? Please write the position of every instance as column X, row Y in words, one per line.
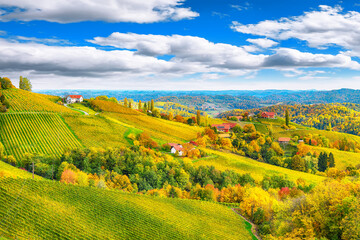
column 224, row 161
column 160, row 129
column 24, row 101
column 7, row 170
column 82, row 107
column 60, row 211
column 35, row 133
column 97, row 131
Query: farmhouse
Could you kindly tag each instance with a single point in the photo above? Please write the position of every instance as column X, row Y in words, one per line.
column 74, row 98
column 175, row 147
column 284, row 140
column 225, row 127
column 270, row 115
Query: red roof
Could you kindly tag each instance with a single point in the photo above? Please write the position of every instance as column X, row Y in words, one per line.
column 75, row 96
column 268, row 114
column 284, row 139
column 231, row 125
column 177, row 148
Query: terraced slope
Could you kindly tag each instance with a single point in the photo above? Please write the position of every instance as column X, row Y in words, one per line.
column 7, row 170
column 224, row 161
column 35, row 133
column 24, row 101
column 60, row 211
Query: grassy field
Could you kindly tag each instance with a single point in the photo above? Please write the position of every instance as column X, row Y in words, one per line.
column 60, row 211
column 160, row 129
column 224, row 161
column 82, row 107
column 24, row 101
column 7, row 170
column 97, row 131
column 35, row 133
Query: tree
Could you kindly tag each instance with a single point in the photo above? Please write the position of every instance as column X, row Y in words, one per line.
column 152, row 105
column 331, row 161
column 25, row 84
column 170, row 116
column 5, row 83
column 125, row 102
column 69, row 176
column 145, row 107
column 139, row 107
column 287, row 117
column 130, row 105
column 298, row 163
column 322, row 162
column 198, row 117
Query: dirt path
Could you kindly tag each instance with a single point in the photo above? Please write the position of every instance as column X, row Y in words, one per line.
column 253, row 226
column 76, row 109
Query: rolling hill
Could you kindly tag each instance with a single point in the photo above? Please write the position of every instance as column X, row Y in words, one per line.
column 44, row 209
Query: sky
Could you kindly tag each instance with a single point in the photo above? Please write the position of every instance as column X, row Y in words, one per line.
column 181, row 44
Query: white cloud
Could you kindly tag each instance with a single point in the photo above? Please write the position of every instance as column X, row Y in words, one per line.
column 320, row 29
column 66, row 11
column 263, row 42
column 138, row 58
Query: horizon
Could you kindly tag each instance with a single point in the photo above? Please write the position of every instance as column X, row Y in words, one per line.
column 181, row 44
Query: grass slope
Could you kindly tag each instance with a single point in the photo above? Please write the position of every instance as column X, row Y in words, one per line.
column 160, row 129
column 35, row 133
column 24, row 101
column 60, row 211
column 7, row 170
column 224, row 161
column 97, row 131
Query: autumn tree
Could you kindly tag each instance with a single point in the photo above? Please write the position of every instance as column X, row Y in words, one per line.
column 130, row 105
column 139, row 106
column 69, row 176
column 298, row 163
column 170, row 116
column 5, row 83
column 125, row 102
column 25, row 84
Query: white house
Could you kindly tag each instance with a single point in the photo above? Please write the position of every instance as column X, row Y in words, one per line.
column 74, row 98
column 176, row 148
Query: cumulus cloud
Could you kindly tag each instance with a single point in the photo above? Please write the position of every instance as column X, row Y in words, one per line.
column 138, row 11
column 135, row 56
column 263, row 42
column 320, row 29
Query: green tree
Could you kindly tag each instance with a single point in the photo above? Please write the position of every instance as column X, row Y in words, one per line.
column 125, row 102
column 5, row 83
column 130, row 105
column 25, row 84
column 145, row 107
column 323, row 162
column 198, row 117
column 287, row 117
column 298, row 163
column 331, row 160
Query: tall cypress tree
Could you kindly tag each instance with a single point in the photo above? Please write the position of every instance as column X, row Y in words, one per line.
column 198, row 117
column 152, row 105
column 287, row 117
column 323, row 162
column 139, row 107
column 125, row 102
column 331, row 160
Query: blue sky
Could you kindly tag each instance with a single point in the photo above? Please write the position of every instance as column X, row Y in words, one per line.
column 181, row 45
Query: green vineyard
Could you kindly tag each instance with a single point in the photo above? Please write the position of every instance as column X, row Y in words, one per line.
column 24, row 101
column 53, row 210
column 35, row 133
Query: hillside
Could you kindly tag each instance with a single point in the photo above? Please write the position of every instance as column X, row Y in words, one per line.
column 60, row 211
column 7, row 170
column 229, row 161
column 25, row 101
column 44, row 133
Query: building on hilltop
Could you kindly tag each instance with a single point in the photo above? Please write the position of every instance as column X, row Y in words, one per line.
column 270, row 115
column 74, row 99
column 175, row 147
column 284, row 140
column 225, row 127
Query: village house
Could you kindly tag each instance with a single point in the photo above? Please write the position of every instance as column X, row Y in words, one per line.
column 225, row 127
column 175, row 147
column 270, row 115
column 284, row 140
column 74, row 99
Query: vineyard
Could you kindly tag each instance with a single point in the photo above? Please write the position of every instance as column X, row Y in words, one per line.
column 7, row 170
column 108, row 106
column 223, row 161
column 96, row 131
column 35, row 133
column 165, row 130
column 24, row 101
column 60, row 211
